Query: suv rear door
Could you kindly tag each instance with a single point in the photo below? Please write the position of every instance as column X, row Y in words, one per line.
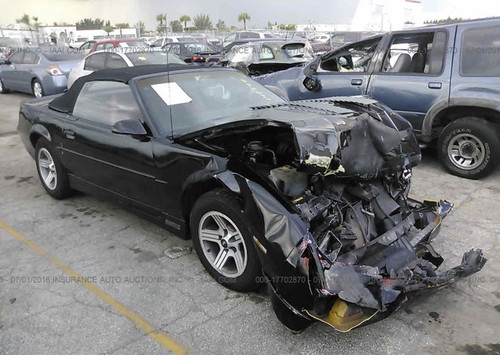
column 414, row 74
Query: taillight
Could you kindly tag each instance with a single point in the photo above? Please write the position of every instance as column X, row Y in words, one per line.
column 54, row 70
column 196, row 58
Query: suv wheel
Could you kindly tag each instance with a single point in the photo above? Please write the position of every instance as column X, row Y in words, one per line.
column 469, row 147
column 222, row 238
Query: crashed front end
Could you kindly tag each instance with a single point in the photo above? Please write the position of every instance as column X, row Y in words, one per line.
column 339, row 239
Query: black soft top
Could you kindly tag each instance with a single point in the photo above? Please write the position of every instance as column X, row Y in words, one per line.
column 66, row 102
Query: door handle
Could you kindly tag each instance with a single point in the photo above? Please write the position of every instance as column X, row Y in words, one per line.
column 435, row 85
column 356, row 82
column 69, row 134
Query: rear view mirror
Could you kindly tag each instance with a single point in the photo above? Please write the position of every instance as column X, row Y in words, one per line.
column 130, row 127
column 311, row 82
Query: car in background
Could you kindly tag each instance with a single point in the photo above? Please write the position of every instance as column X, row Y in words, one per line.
column 116, row 43
column 87, row 46
column 321, row 38
column 194, row 52
column 39, row 71
column 121, row 58
column 245, row 35
column 443, row 79
column 162, row 41
column 257, row 58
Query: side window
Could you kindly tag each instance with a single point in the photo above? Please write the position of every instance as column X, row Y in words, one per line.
column 95, row 62
column 158, row 43
column 115, row 61
column 356, row 57
column 99, row 47
column 175, row 48
column 266, row 53
column 230, row 38
column 268, row 35
column 17, row 57
column 480, row 52
column 106, row 102
column 109, row 46
column 30, row 57
column 419, row 53
column 245, row 35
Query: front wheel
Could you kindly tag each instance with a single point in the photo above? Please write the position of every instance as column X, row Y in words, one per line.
column 469, row 147
column 52, row 174
column 223, row 240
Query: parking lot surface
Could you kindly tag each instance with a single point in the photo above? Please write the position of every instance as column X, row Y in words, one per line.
column 84, row 276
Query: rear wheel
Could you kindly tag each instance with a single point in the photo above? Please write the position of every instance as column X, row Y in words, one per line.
column 222, row 238
column 469, row 147
column 3, row 90
column 37, row 88
column 52, row 174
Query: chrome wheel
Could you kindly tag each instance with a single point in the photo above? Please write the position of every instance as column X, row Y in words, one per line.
column 466, row 151
column 222, row 244
column 37, row 89
column 47, row 169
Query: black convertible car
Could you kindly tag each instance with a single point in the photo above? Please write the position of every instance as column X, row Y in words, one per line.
column 310, row 197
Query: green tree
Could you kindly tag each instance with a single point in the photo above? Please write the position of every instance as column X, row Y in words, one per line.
column 108, row 29
column 202, row 22
column 25, row 20
column 90, row 24
column 185, row 19
column 221, row 26
column 162, row 23
column 176, row 26
column 244, row 17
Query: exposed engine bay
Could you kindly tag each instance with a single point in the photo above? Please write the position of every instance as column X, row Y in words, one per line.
column 343, row 242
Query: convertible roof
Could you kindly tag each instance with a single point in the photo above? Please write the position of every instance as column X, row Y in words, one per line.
column 66, row 102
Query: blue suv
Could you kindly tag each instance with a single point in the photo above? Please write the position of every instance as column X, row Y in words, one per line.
column 444, row 79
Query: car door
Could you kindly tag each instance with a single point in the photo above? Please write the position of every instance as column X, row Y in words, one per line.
column 347, row 71
column 25, row 70
column 115, row 162
column 9, row 71
column 415, row 73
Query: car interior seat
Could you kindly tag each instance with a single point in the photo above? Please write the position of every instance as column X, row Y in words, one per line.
column 402, row 64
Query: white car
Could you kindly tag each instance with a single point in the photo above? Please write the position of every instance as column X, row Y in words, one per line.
column 121, row 58
column 320, row 38
column 160, row 42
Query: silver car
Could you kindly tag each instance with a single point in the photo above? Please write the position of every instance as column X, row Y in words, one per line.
column 39, row 71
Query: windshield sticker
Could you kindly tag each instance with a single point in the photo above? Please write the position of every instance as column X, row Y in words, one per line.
column 171, row 93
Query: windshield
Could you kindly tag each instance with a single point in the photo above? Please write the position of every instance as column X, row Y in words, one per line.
column 156, row 57
column 201, row 99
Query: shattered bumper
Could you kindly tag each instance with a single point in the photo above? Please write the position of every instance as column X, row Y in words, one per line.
column 369, row 284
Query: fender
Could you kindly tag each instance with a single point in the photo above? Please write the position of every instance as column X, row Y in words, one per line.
column 40, row 130
column 442, row 105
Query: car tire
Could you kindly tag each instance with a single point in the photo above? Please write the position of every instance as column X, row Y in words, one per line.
column 37, row 88
column 3, row 90
column 469, row 147
column 226, row 247
column 52, row 174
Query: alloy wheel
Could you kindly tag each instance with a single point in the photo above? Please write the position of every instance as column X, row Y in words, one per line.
column 222, row 244
column 37, row 90
column 47, row 169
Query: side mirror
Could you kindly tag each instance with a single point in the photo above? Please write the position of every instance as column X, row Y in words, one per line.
column 5, row 61
column 311, row 82
column 130, row 127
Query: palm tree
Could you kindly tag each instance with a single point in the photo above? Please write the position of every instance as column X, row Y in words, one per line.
column 244, row 17
column 185, row 19
column 162, row 22
column 25, row 20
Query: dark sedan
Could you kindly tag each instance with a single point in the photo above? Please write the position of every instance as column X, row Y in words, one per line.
column 194, row 52
column 309, row 197
column 39, row 71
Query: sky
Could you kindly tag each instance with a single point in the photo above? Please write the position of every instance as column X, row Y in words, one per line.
column 261, row 11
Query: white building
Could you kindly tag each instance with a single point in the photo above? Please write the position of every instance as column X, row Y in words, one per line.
column 375, row 15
